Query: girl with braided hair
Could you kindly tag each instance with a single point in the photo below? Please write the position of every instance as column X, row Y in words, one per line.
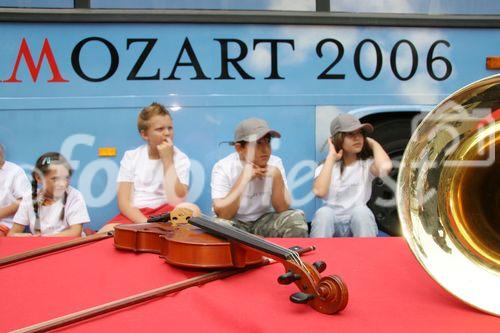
column 54, row 208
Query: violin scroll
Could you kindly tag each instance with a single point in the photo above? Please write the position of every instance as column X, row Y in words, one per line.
column 326, row 294
column 333, row 295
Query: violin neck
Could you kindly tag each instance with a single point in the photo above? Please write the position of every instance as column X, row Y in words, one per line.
column 225, row 230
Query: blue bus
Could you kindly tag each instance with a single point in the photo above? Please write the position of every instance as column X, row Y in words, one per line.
column 74, row 75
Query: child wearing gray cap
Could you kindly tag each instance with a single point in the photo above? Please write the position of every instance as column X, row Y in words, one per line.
column 344, row 180
column 249, row 186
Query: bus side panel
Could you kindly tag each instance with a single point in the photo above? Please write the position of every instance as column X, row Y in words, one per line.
column 199, row 132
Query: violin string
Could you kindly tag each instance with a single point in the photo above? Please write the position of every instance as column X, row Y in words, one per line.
column 248, row 235
column 294, row 256
column 278, row 249
column 255, row 240
column 266, row 244
column 243, row 234
column 297, row 259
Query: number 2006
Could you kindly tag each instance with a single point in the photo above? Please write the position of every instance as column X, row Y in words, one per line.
column 431, row 60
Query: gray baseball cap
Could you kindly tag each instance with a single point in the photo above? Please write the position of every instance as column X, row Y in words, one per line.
column 253, row 129
column 348, row 123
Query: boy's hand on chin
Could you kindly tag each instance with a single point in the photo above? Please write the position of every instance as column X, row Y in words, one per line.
column 265, row 171
column 258, row 171
column 166, row 150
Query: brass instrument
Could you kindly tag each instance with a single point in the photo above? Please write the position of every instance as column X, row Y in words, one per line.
column 448, row 194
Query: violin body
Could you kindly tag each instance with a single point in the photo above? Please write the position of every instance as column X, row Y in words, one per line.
column 184, row 245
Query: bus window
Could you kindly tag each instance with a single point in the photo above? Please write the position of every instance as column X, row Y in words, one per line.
column 432, row 7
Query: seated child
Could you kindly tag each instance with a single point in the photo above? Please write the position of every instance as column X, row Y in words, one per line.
column 14, row 185
column 54, row 208
column 344, row 180
column 249, row 186
column 154, row 177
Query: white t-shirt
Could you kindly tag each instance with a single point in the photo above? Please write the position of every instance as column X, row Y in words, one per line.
column 256, row 198
column 352, row 188
column 75, row 212
column 14, row 185
column 147, row 175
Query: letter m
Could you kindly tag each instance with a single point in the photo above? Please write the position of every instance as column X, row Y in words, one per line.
column 46, row 52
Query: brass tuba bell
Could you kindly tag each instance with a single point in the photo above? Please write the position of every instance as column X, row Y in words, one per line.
column 448, row 194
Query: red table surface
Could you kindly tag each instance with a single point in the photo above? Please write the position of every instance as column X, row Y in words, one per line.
column 388, row 292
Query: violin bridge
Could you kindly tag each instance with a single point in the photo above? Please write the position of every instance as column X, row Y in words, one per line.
column 180, row 215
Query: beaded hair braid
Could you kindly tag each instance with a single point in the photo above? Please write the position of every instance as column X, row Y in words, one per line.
column 41, row 168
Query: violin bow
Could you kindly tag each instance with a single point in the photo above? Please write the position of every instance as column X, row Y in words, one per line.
column 178, row 214
column 145, row 296
column 53, row 248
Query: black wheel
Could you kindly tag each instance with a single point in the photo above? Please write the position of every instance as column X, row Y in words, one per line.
column 393, row 135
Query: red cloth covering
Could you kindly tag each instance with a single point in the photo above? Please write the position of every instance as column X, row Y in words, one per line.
column 388, row 292
column 148, row 212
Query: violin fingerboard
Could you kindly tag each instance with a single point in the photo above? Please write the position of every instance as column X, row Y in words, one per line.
column 232, row 233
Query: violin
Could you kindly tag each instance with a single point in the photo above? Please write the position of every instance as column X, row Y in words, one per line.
column 204, row 242
column 181, row 244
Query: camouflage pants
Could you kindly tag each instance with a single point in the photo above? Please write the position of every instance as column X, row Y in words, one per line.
column 290, row 223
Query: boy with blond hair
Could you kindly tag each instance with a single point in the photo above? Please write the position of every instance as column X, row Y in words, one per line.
column 153, row 178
